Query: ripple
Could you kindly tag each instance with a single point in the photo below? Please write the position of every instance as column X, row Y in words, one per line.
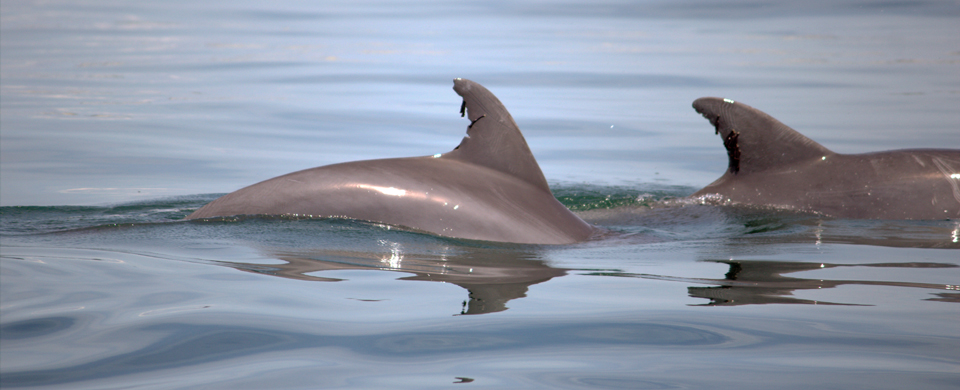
column 425, row 343
column 651, row 334
column 36, row 327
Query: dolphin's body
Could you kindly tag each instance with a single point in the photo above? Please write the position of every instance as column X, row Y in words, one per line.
column 771, row 164
column 489, row 187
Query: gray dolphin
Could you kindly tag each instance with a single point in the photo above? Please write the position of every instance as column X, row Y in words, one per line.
column 771, row 164
column 489, row 187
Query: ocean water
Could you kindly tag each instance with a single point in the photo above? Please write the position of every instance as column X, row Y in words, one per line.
column 118, row 119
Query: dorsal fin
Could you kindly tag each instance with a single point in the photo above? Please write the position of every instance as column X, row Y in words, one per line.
column 754, row 140
column 493, row 139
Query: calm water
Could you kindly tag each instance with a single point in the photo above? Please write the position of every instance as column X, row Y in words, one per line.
column 117, row 119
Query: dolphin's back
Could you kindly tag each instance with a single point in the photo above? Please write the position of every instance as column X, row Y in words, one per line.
column 771, row 164
column 436, row 195
column 490, row 187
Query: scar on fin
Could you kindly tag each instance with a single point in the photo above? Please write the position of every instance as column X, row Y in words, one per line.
column 475, row 120
column 463, row 108
column 733, row 150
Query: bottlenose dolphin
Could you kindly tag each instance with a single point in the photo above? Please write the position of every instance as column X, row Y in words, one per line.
column 771, row 164
column 489, row 187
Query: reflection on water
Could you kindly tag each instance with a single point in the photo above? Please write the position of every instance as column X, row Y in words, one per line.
column 750, row 282
column 37, row 327
column 493, row 276
column 172, row 345
column 761, row 282
column 902, row 234
column 178, row 305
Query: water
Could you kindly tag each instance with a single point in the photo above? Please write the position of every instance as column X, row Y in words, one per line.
column 119, row 119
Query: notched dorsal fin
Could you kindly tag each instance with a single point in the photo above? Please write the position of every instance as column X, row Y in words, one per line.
column 493, row 139
column 754, row 140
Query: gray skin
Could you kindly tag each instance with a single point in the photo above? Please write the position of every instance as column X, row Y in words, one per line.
column 771, row 164
column 489, row 187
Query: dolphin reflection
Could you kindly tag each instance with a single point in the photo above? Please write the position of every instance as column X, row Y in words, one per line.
column 492, row 276
column 753, row 282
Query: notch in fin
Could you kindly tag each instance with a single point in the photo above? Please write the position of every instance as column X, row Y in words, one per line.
column 493, row 139
column 754, row 140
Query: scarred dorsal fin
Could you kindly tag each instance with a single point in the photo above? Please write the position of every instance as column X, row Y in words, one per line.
column 754, row 140
column 493, row 139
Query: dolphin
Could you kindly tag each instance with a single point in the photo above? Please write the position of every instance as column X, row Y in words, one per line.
column 488, row 188
column 771, row 164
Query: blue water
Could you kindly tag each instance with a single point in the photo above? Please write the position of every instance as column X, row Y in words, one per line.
column 117, row 119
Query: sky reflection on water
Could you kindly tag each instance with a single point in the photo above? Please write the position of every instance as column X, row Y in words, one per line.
column 115, row 102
